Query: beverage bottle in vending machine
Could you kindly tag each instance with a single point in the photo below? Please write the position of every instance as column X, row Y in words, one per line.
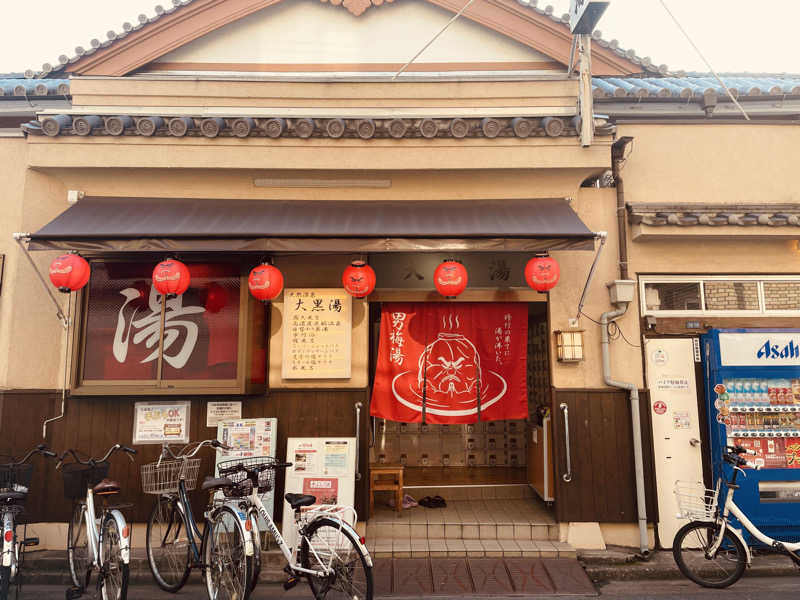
column 729, row 388
column 773, row 391
column 763, row 392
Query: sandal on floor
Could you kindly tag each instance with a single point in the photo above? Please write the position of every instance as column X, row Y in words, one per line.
column 438, row 502
column 427, row 502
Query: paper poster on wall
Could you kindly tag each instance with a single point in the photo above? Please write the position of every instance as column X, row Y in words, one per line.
column 222, row 411
column 249, row 438
column 161, row 422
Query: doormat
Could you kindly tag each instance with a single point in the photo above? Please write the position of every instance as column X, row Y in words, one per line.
column 424, row 577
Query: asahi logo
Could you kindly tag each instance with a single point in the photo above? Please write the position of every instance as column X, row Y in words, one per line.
column 770, row 351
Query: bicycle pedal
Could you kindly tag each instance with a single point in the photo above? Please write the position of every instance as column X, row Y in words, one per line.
column 31, row 541
column 74, row 593
column 288, row 570
column 290, row 583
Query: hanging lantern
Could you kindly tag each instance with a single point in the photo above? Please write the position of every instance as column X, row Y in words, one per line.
column 69, row 272
column 542, row 273
column 171, row 277
column 358, row 279
column 450, row 278
column 265, row 282
column 216, row 297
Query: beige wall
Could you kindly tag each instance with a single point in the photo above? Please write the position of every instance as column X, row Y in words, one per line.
column 597, row 208
column 745, row 164
column 712, row 163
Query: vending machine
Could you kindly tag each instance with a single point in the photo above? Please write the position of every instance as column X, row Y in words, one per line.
column 752, row 393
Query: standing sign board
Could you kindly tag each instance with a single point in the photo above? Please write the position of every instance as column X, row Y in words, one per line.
column 249, row 438
column 161, row 422
column 321, row 467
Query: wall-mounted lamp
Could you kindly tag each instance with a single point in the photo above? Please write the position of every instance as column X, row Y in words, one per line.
column 569, row 345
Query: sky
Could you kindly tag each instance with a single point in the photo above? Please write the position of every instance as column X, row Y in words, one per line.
column 734, row 35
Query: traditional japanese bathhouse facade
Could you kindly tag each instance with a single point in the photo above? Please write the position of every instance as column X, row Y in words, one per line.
column 230, row 133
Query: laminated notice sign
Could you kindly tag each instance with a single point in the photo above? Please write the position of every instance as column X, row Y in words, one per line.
column 222, row 411
column 161, row 422
column 335, row 457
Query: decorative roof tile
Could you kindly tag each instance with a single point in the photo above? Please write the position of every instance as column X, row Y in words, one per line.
column 714, row 215
column 695, row 86
column 34, row 87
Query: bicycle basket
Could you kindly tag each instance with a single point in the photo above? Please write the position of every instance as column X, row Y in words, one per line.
column 15, row 478
column 163, row 477
column 243, row 487
column 78, row 477
column 695, row 501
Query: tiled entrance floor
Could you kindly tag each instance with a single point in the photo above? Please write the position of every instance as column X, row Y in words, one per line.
column 477, row 527
column 424, row 577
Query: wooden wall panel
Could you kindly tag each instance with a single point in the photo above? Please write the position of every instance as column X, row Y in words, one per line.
column 93, row 424
column 603, row 486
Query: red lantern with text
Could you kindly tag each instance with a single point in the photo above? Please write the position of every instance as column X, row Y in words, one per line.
column 265, row 282
column 450, row 278
column 171, row 277
column 69, row 272
column 358, row 279
column 542, row 273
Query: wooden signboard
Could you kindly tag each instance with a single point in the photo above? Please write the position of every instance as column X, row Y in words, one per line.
column 317, row 329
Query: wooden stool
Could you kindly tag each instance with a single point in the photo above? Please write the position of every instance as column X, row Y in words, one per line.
column 386, row 478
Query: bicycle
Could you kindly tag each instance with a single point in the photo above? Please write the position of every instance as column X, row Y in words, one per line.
column 332, row 555
column 225, row 552
column 708, row 550
column 15, row 481
column 107, row 549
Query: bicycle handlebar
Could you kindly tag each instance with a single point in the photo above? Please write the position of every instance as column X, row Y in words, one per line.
column 733, row 457
column 255, row 469
column 183, row 454
column 93, row 461
column 40, row 449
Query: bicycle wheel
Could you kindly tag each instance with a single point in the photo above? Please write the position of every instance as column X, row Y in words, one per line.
column 254, row 567
column 80, row 568
column 114, row 570
column 225, row 558
column 328, row 545
column 167, row 544
column 5, row 579
column 721, row 570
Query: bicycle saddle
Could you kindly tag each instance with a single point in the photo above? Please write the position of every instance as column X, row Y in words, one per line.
column 12, row 496
column 106, row 487
column 299, row 500
column 209, row 483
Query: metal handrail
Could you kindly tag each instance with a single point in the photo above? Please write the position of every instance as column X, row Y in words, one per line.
column 567, row 477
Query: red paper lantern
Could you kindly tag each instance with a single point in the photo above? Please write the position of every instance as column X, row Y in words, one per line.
column 265, row 282
column 171, row 277
column 542, row 273
column 69, row 272
column 450, row 278
column 216, row 297
column 358, row 279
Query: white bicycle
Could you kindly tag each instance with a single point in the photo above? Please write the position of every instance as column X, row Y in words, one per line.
column 708, row 550
column 328, row 552
column 95, row 541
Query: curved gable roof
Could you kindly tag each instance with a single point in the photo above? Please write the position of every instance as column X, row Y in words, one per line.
column 188, row 20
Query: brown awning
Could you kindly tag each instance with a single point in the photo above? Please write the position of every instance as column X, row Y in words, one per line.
column 187, row 224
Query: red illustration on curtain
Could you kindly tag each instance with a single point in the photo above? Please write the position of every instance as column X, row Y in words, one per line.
column 451, row 363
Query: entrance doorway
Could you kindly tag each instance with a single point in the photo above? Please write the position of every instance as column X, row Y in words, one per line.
column 480, row 470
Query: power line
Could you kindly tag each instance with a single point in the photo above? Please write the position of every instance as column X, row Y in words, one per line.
column 700, row 54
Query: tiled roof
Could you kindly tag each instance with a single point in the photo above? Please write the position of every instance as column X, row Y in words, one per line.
column 714, row 215
column 143, row 20
column 694, row 86
column 34, row 87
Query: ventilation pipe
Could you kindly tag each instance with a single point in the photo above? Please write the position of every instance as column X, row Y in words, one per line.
column 621, row 292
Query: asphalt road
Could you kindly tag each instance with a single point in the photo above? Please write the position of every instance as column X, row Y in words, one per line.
column 755, row 588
